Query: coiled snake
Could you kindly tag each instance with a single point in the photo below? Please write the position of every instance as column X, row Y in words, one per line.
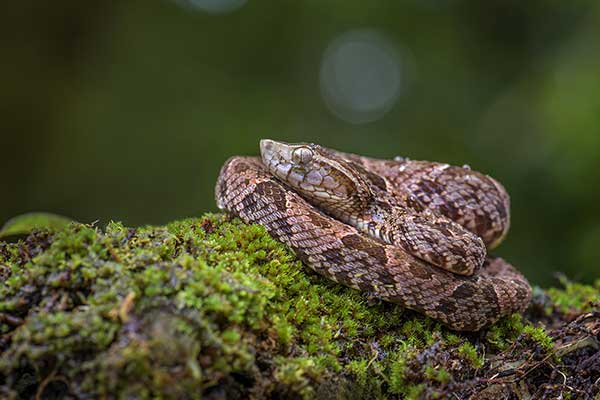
column 410, row 232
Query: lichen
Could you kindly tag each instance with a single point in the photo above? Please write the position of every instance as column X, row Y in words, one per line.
column 211, row 307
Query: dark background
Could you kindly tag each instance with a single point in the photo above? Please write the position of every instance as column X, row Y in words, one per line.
column 126, row 110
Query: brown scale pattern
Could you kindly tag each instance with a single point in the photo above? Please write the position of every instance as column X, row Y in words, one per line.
column 350, row 193
column 470, row 198
column 434, row 239
column 341, row 253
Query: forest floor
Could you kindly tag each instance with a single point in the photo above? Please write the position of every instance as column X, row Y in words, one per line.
column 212, row 308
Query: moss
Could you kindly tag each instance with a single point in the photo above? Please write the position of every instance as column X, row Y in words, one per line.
column 359, row 369
column 213, row 307
column 470, row 354
column 504, row 332
column 437, row 374
column 396, row 374
column 539, row 336
column 414, row 392
column 575, row 296
column 298, row 374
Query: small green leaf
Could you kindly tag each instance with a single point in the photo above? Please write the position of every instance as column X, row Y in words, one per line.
column 25, row 223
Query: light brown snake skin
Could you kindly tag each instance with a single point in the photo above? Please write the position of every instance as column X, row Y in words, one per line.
column 338, row 251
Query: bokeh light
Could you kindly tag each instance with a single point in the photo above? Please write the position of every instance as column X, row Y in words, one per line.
column 213, row 6
column 360, row 76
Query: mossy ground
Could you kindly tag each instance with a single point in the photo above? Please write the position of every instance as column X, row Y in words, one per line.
column 213, row 308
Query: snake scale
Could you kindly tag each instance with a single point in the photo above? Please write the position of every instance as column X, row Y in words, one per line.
column 415, row 233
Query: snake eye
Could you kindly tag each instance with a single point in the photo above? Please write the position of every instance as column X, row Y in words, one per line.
column 302, row 155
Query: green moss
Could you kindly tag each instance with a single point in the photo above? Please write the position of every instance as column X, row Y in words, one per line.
column 419, row 331
column 298, row 374
column 470, row 354
column 539, row 336
column 437, row 374
column 414, row 392
column 359, row 369
column 396, row 375
column 213, row 306
column 504, row 332
column 452, row 339
column 575, row 296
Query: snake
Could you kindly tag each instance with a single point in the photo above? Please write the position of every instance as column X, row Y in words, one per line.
column 414, row 233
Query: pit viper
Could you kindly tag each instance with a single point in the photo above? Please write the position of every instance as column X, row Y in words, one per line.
column 415, row 233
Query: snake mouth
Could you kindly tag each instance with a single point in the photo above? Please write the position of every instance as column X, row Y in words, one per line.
column 276, row 154
column 276, row 157
column 266, row 145
column 271, row 150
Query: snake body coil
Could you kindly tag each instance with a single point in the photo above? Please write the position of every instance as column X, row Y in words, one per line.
column 451, row 203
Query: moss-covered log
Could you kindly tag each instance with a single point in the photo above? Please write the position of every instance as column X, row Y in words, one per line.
column 214, row 308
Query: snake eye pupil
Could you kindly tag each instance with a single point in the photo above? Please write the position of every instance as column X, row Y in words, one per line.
column 302, row 155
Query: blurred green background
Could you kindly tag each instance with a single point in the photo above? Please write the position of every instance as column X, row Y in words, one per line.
column 126, row 110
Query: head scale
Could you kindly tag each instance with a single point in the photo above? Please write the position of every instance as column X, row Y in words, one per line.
column 323, row 179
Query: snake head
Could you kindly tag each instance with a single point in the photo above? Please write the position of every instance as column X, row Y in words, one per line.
column 322, row 178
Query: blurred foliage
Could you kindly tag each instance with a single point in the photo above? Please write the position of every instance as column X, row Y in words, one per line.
column 126, row 110
column 26, row 223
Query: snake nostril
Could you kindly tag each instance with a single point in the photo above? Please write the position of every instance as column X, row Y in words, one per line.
column 266, row 145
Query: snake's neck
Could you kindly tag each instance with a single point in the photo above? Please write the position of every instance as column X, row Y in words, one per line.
column 371, row 221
